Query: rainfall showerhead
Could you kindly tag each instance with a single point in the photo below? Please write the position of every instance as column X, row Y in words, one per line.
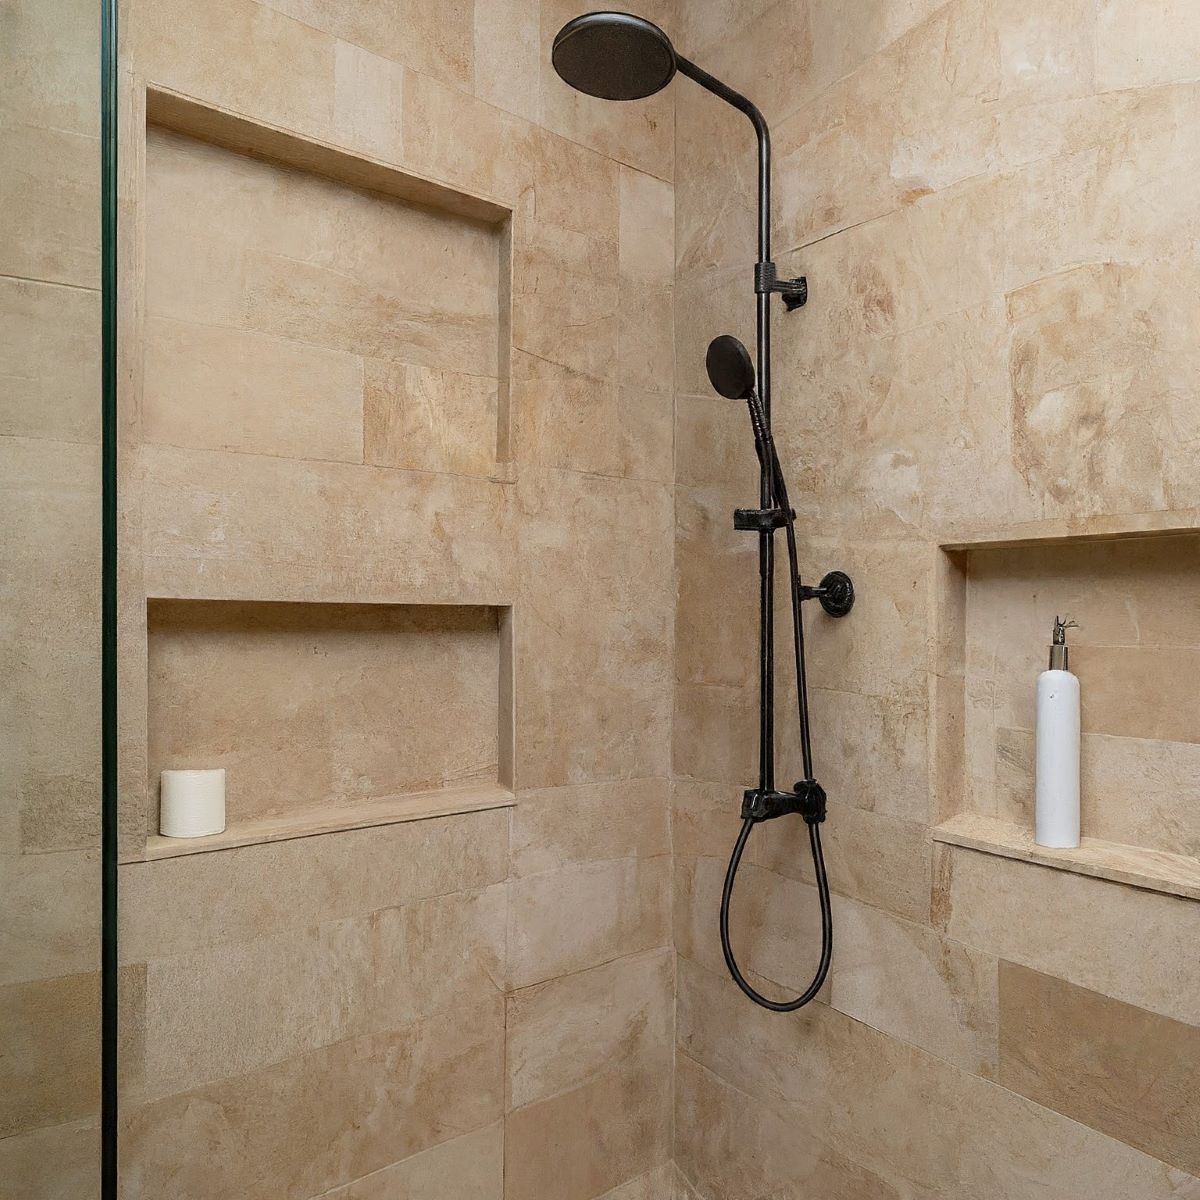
column 730, row 368
column 614, row 55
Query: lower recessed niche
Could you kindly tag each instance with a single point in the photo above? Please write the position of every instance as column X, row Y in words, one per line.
column 1137, row 655
column 328, row 715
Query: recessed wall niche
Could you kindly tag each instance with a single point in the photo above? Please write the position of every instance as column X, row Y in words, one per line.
column 328, row 715
column 1137, row 655
column 296, row 315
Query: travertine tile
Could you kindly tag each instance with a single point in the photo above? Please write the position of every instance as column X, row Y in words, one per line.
column 298, row 257
column 912, row 983
column 422, row 418
column 434, row 38
column 563, row 1033
column 872, row 752
column 581, row 915
column 300, row 883
column 1048, row 50
column 306, row 988
column 368, row 99
column 593, row 635
column 201, row 52
column 656, row 1184
column 647, row 228
column 50, row 66
column 860, row 1089
column 566, row 419
column 470, row 1167
column 730, row 1148
column 52, row 904
column 214, row 388
column 881, row 860
column 461, row 141
column 428, row 955
column 49, row 658
column 583, row 1143
column 50, row 188
column 260, row 527
column 73, row 1150
column 508, row 61
column 313, row 1122
column 1140, row 49
column 588, row 822
column 1120, row 1069
column 704, row 818
column 1124, row 942
column 50, row 1068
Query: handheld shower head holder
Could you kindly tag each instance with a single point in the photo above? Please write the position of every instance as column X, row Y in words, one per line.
column 793, row 291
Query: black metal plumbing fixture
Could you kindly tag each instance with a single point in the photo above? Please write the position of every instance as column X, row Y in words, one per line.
column 618, row 56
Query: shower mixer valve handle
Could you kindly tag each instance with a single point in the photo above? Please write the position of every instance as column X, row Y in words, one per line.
column 807, row 798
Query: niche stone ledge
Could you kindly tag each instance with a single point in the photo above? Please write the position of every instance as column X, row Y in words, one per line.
column 1152, row 870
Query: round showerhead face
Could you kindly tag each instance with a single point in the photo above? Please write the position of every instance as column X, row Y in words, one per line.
column 614, row 56
column 730, row 368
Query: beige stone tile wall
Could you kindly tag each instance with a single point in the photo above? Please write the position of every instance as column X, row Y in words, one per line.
column 993, row 204
column 49, row 598
column 342, row 397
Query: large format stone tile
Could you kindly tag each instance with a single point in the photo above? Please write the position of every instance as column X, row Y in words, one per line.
column 214, row 388
column 50, row 361
column 913, row 983
column 50, row 1068
column 593, row 629
column 584, row 914
column 428, row 36
column 255, row 891
column 422, row 418
column 1138, row 49
column 65, row 1157
column 1120, row 1069
column 306, row 988
column 861, row 1089
column 52, row 910
column 563, row 1033
column 470, row 1167
column 200, row 51
column 583, row 1143
column 730, row 1146
column 883, row 861
column 589, row 822
column 1130, row 944
column 312, row 1123
column 260, row 527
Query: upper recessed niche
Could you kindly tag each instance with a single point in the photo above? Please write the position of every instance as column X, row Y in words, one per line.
column 293, row 314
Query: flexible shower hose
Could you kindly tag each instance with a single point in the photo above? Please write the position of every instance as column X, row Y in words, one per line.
column 765, row 445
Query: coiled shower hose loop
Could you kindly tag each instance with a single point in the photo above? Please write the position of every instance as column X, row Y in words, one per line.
column 765, row 444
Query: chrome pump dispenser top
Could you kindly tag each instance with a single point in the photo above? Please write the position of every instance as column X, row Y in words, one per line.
column 1058, row 647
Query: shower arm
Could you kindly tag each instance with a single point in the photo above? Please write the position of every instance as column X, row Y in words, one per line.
column 795, row 294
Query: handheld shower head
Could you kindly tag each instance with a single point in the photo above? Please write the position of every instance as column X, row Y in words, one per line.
column 614, row 56
column 730, row 368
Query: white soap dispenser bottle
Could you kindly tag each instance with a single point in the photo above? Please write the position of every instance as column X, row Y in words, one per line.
column 1057, row 771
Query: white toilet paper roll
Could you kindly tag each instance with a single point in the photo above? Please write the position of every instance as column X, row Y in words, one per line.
column 192, row 803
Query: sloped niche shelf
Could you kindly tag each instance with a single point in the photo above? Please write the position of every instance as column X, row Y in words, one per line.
column 329, row 716
column 1137, row 654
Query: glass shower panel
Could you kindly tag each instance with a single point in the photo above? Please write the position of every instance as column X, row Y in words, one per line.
column 50, row 599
